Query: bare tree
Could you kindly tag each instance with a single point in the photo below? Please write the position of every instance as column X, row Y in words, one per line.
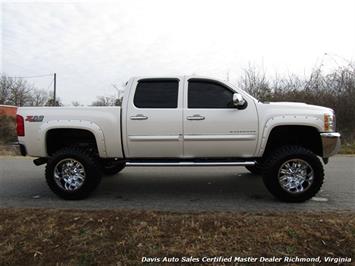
column 39, row 98
column 15, row 91
column 104, row 101
column 75, row 103
column 5, row 87
column 335, row 90
column 256, row 83
column 50, row 102
column 20, row 93
column 120, row 92
column 112, row 100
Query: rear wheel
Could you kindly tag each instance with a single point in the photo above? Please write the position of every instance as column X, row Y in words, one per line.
column 72, row 173
column 293, row 174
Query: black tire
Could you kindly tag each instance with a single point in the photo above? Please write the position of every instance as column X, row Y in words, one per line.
column 255, row 169
column 113, row 169
column 275, row 161
column 91, row 170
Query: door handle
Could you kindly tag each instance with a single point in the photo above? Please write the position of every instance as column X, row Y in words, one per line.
column 196, row 117
column 139, row 117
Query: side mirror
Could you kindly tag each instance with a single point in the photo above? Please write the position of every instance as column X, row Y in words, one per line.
column 238, row 101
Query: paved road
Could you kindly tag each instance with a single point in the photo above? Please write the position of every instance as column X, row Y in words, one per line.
column 176, row 189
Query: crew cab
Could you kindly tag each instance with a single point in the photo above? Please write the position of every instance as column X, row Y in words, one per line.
column 181, row 121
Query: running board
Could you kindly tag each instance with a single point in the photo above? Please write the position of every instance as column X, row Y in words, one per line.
column 246, row 163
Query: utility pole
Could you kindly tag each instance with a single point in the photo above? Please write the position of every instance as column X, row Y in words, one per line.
column 55, row 89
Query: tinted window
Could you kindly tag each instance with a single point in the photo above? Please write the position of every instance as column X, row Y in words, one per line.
column 207, row 94
column 156, row 94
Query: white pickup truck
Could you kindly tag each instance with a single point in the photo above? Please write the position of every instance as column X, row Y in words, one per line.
column 181, row 121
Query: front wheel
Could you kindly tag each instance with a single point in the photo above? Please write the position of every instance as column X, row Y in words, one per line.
column 72, row 173
column 293, row 174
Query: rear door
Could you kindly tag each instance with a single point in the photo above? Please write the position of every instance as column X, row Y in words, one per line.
column 213, row 127
column 154, row 118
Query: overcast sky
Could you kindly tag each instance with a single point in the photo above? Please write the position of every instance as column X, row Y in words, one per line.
column 92, row 45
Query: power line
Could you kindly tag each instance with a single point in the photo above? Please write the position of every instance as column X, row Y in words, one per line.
column 50, row 84
column 28, row 77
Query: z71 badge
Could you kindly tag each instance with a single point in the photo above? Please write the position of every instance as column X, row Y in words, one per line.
column 34, row 118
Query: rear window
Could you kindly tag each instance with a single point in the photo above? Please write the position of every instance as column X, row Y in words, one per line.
column 157, row 93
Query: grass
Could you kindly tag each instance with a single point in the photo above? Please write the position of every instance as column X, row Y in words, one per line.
column 123, row 237
column 347, row 148
column 9, row 150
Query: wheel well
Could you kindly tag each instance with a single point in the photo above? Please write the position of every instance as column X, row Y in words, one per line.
column 64, row 137
column 305, row 136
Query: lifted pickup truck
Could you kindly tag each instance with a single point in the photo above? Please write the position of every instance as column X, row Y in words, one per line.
column 181, row 121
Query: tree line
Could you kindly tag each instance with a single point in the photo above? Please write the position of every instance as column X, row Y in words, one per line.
column 335, row 89
column 19, row 92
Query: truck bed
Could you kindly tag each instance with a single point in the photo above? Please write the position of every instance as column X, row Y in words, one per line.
column 103, row 122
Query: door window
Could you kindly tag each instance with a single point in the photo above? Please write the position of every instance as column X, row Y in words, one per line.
column 209, row 94
column 154, row 93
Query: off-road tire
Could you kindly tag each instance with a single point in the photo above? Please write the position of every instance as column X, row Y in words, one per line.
column 92, row 171
column 275, row 161
column 113, row 169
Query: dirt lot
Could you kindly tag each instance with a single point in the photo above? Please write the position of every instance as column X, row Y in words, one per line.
column 49, row 237
column 9, row 150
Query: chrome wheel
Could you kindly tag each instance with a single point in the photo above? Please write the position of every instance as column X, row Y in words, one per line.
column 69, row 174
column 295, row 176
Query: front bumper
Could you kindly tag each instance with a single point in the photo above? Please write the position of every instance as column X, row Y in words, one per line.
column 330, row 143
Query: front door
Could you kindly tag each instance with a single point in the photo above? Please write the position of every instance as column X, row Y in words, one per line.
column 154, row 119
column 213, row 127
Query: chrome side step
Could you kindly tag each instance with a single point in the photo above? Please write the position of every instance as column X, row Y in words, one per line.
column 190, row 163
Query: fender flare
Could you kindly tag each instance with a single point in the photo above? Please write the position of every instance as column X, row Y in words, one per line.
column 286, row 120
column 75, row 124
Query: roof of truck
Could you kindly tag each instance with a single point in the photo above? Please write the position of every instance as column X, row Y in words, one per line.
column 174, row 77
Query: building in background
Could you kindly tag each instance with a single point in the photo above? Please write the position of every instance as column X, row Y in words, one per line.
column 8, row 110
